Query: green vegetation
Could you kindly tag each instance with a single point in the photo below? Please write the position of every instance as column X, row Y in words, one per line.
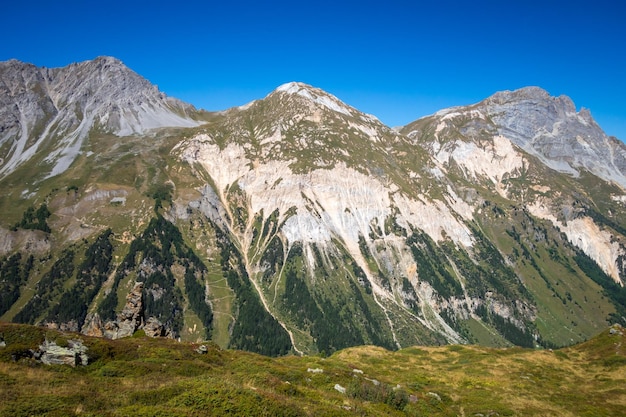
column 197, row 298
column 49, row 288
column 92, row 273
column 147, row 377
column 428, row 258
column 35, row 219
column 519, row 280
column 254, row 329
column 14, row 273
column 160, row 193
column 569, row 305
column 272, row 258
column 151, row 259
column 338, row 314
column 613, row 291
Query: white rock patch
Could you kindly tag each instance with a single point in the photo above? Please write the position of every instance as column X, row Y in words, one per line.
column 586, row 235
column 338, row 201
column 494, row 161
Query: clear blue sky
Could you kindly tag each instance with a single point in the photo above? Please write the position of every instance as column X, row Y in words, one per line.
column 398, row 60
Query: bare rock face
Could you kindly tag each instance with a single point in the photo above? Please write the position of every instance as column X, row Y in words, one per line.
column 33, row 241
column 131, row 317
column 128, row 321
column 550, row 128
column 154, row 328
column 93, row 326
column 70, row 326
column 429, row 227
column 58, row 107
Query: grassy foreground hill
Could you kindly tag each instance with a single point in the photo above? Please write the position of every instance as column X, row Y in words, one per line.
column 142, row 376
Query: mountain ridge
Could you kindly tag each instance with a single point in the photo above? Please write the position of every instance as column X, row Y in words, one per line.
column 551, row 129
column 332, row 229
column 57, row 108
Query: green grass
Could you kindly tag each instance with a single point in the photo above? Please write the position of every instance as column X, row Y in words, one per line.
column 143, row 376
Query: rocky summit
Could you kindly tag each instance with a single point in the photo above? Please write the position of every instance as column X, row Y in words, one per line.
column 298, row 224
column 52, row 111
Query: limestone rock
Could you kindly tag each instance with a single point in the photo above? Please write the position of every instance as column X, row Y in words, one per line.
column 53, row 354
column 616, row 329
column 340, row 388
column 128, row 320
column 131, row 317
column 111, row 329
column 67, row 103
column 551, row 129
column 154, row 328
column 93, row 326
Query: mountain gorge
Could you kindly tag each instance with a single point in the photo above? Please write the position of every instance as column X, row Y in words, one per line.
column 297, row 223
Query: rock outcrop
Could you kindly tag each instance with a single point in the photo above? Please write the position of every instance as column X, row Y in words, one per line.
column 154, row 328
column 131, row 317
column 128, row 321
column 298, row 223
column 551, row 129
column 75, row 353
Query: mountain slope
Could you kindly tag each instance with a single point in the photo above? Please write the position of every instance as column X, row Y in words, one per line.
column 297, row 223
column 486, row 143
column 420, row 257
column 54, row 110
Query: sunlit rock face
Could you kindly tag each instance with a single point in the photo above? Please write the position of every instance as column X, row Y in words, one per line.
column 550, row 128
column 57, row 108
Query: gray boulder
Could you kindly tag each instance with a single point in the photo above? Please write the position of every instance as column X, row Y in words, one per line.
column 74, row 354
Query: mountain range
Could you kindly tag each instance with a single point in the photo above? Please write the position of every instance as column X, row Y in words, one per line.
column 298, row 224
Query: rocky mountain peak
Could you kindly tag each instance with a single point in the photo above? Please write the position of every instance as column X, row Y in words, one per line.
column 103, row 79
column 58, row 107
column 13, row 64
column 107, row 60
column 524, row 93
column 293, row 87
column 317, row 97
column 299, row 223
column 551, row 129
column 533, row 96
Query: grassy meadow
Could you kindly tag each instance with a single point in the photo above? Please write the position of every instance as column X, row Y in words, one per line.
column 141, row 376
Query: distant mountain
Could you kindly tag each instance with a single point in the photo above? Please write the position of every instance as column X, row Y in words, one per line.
column 551, row 129
column 52, row 111
column 297, row 223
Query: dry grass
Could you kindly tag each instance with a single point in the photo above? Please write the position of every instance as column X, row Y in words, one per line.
column 139, row 376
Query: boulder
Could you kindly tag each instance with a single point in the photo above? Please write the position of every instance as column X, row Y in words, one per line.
column 340, row 388
column 74, row 354
column 154, row 328
column 616, row 329
column 93, row 326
